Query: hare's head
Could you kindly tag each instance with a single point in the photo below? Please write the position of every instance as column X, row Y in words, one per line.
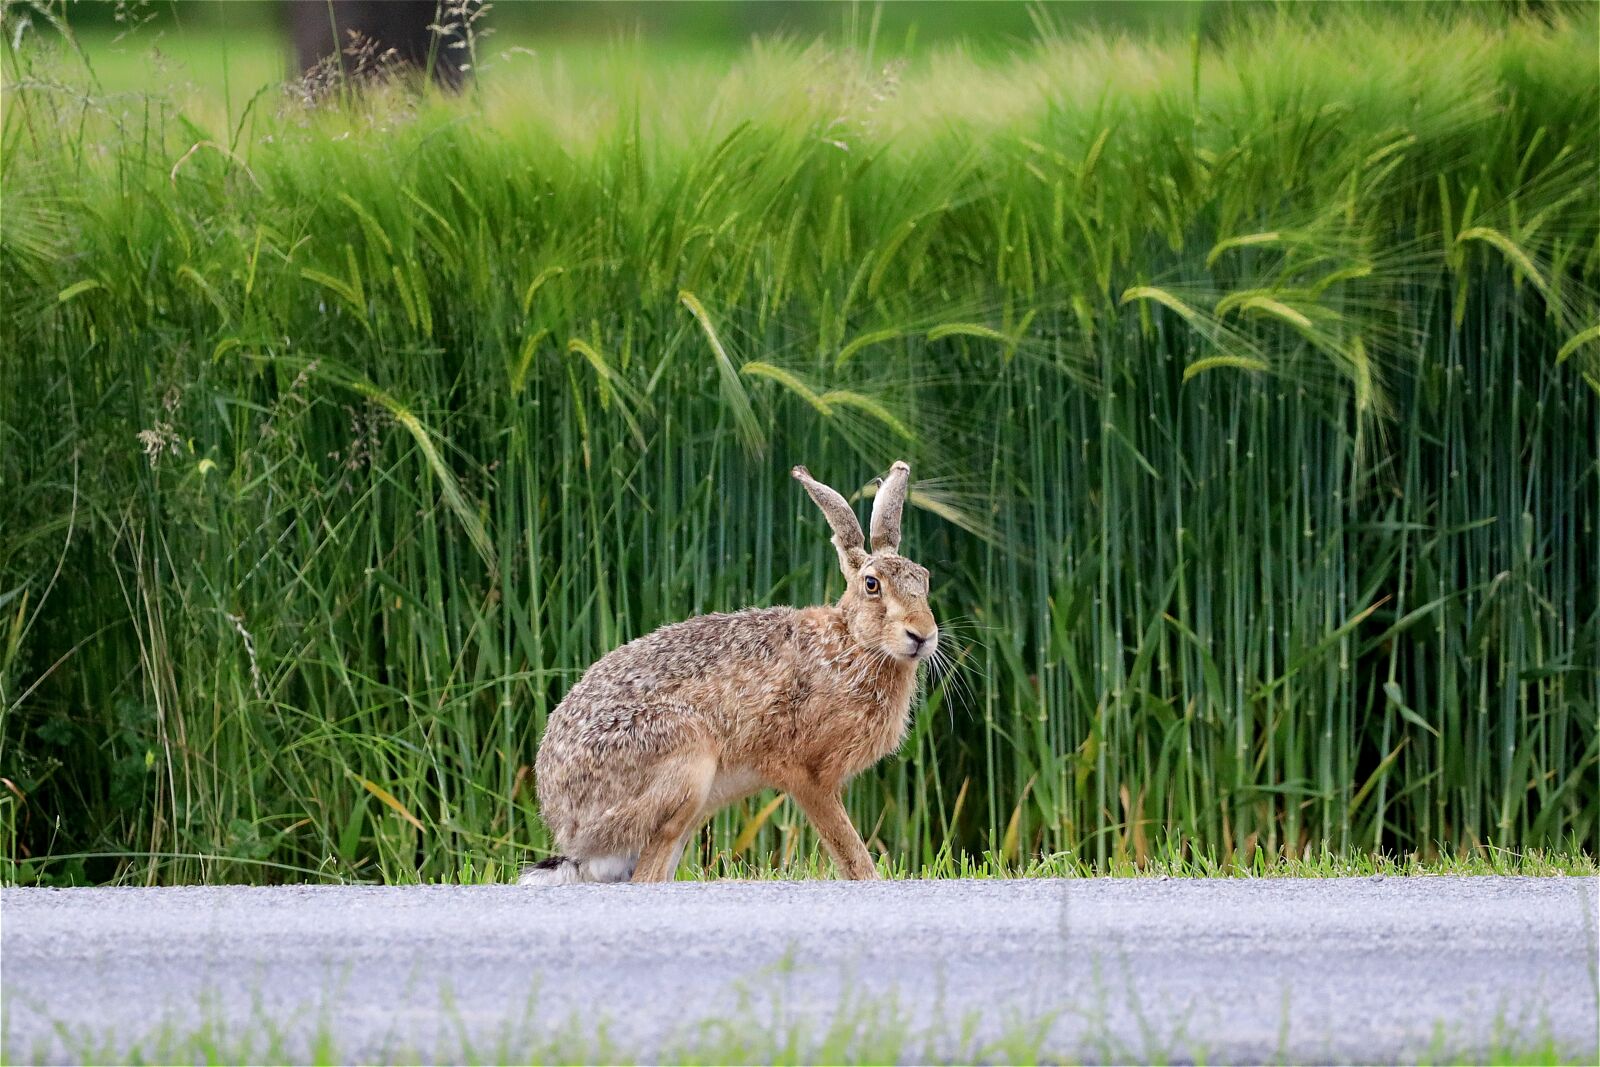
column 886, row 599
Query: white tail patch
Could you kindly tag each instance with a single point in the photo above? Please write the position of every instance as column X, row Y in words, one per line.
column 615, row 868
column 563, row 873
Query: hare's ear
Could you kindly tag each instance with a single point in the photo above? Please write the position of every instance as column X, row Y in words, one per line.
column 886, row 508
column 846, row 527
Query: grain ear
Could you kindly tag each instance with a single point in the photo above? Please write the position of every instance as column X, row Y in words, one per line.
column 886, row 508
column 846, row 527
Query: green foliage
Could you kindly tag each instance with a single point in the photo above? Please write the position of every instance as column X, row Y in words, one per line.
column 764, row 1023
column 1250, row 384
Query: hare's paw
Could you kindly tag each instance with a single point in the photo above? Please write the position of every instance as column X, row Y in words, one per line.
column 616, row 868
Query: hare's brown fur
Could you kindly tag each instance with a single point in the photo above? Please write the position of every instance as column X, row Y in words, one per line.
column 665, row 730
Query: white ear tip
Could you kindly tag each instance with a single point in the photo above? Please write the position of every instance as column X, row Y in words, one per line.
column 900, row 465
column 799, row 472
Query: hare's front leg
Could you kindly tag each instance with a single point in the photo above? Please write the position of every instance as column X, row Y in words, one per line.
column 825, row 809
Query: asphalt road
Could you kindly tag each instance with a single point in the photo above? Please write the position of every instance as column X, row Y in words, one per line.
column 1096, row 970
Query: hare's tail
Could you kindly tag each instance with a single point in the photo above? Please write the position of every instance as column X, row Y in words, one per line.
column 557, row 870
column 563, row 870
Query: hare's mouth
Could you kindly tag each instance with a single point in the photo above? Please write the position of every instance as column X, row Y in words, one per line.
column 915, row 647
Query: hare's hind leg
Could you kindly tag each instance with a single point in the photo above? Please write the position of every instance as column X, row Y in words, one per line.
column 679, row 797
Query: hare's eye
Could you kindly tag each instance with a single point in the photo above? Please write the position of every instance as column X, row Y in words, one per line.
column 871, row 583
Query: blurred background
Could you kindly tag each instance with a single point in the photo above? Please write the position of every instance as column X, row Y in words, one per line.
column 241, row 45
column 704, row 24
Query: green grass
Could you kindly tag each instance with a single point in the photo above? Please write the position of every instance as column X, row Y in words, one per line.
column 947, row 864
column 760, row 1025
column 1535, row 863
column 1251, row 384
column 862, row 1029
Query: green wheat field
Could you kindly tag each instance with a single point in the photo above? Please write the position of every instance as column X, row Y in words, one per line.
column 1250, row 378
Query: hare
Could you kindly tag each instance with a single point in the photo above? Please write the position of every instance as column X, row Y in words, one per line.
column 662, row 732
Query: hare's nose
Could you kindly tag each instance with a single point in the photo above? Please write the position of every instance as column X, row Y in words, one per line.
column 917, row 639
